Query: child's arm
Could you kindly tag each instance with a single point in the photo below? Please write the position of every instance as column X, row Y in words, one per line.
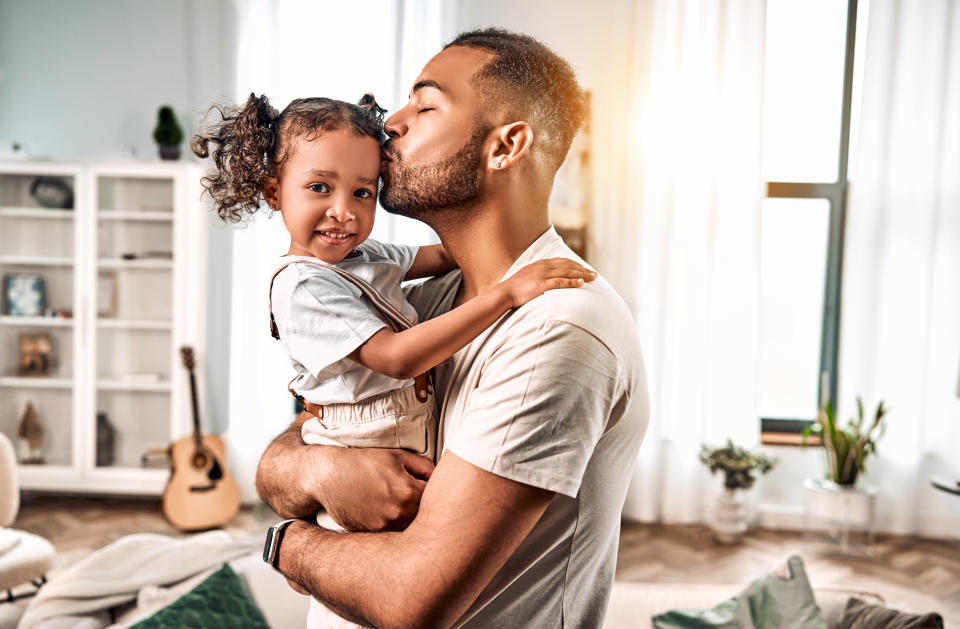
column 430, row 260
column 407, row 354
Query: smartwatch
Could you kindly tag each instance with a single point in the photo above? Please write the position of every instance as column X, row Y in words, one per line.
column 271, row 546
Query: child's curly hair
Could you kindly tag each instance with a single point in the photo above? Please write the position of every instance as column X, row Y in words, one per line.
column 250, row 143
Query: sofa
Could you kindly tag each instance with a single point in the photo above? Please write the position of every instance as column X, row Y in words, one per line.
column 631, row 604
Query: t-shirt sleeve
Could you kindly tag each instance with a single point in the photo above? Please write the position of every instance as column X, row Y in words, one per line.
column 328, row 319
column 542, row 403
column 403, row 255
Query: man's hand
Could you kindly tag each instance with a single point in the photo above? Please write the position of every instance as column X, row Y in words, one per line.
column 362, row 489
column 374, row 489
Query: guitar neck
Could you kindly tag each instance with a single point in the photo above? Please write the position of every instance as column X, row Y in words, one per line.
column 196, row 409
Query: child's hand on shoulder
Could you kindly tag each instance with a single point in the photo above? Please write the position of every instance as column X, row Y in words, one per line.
column 535, row 279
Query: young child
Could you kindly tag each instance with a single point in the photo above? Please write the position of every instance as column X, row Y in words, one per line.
column 361, row 358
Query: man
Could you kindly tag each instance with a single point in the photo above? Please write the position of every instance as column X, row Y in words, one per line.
column 541, row 416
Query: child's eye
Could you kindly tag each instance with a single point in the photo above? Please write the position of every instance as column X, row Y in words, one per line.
column 363, row 193
column 319, row 187
column 425, row 109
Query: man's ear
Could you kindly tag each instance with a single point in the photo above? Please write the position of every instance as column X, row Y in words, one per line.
column 270, row 189
column 513, row 142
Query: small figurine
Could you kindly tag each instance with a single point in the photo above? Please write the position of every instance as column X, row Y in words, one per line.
column 30, row 432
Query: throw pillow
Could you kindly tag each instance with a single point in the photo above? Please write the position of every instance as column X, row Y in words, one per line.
column 782, row 599
column 861, row 615
column 220, row 601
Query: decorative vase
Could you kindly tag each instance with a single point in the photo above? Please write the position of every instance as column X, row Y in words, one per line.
column 169, row 151
column 730, row 518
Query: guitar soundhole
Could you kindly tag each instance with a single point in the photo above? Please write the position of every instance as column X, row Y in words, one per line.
column 199, row 460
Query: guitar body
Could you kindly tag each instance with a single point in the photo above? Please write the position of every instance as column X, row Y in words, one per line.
column 201, row 493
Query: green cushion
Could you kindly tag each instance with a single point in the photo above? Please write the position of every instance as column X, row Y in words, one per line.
column 768, row 602
column 220, row 601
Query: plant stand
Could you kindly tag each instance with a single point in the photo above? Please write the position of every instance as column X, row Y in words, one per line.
column 843, row 514
column 730, row 519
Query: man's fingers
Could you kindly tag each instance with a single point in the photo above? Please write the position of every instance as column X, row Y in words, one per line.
column 416, row 466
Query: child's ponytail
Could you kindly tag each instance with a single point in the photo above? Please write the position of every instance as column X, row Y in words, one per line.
column 244, row 143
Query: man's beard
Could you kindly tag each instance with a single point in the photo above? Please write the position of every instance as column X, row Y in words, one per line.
column 452, row 182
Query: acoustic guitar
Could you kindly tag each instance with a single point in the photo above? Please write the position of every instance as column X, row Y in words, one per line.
column 200, row 493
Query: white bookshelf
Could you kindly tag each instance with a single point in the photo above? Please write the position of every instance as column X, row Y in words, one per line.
column 123, row 271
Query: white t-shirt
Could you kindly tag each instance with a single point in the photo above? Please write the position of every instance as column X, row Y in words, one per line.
column 553, row 395
column 322, row 318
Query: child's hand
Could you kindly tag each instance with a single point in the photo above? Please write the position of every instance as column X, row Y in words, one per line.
column 535, row 279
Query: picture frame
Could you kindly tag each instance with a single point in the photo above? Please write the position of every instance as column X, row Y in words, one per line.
column 36, row 354
column 107, row 294
column 24, row 295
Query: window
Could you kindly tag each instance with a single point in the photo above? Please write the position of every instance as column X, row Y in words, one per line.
column 808, row 90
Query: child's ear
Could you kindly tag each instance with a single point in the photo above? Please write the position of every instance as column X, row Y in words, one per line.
column 270, row 190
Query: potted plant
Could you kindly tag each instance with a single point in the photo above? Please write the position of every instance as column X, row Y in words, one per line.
column 840, row 500
column 740, row 469
column 168, row 133
column 847, row 449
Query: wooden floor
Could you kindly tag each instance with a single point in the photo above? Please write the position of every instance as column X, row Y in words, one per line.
column 920, row 573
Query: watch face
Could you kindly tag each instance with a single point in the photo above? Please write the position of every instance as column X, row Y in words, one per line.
column 270, row 545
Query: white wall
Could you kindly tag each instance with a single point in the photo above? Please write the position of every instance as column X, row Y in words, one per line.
column 81, row 79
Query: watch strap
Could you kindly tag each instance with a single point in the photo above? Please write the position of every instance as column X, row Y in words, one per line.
column 271, row 547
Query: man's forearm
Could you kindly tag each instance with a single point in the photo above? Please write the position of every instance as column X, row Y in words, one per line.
column 368, row 578
column 279, row 467
column 427, row 575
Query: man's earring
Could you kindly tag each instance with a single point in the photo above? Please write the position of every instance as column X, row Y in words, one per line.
column 499, row 162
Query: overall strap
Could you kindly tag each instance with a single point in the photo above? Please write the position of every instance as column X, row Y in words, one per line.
column 398, row 322
column 396, row 319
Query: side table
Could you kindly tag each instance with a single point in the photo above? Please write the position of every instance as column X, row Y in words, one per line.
column 944, row 485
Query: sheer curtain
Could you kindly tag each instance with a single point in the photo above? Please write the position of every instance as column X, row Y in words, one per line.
column 900, row 329
column 693, row 214
column 289, row 49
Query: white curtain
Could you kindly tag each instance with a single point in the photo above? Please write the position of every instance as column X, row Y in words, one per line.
column 289, row 49
column 693, row 216
column 900, row 330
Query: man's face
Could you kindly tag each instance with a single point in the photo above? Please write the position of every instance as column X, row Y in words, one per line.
column 433, row 158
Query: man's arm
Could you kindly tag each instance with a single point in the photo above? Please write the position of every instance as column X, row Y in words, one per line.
column 470, row 522
column 363, row 489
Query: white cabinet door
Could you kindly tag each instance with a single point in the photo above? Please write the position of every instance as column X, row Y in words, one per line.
column 40, row 326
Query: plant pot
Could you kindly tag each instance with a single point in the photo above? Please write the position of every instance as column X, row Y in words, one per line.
column 840, row 509
column 169, row 151
column 730, row 517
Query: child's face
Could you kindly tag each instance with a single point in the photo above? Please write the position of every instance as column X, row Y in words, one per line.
column 327, row 193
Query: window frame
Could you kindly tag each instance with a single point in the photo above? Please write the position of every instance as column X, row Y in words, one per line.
column 836, row 194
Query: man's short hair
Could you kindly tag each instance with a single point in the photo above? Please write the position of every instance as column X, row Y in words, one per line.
column 538, row 84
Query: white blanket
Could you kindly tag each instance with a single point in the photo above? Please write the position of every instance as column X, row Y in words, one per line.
column 115, row 573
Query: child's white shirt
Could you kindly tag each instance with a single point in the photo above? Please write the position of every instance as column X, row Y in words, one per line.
column 322, row 318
